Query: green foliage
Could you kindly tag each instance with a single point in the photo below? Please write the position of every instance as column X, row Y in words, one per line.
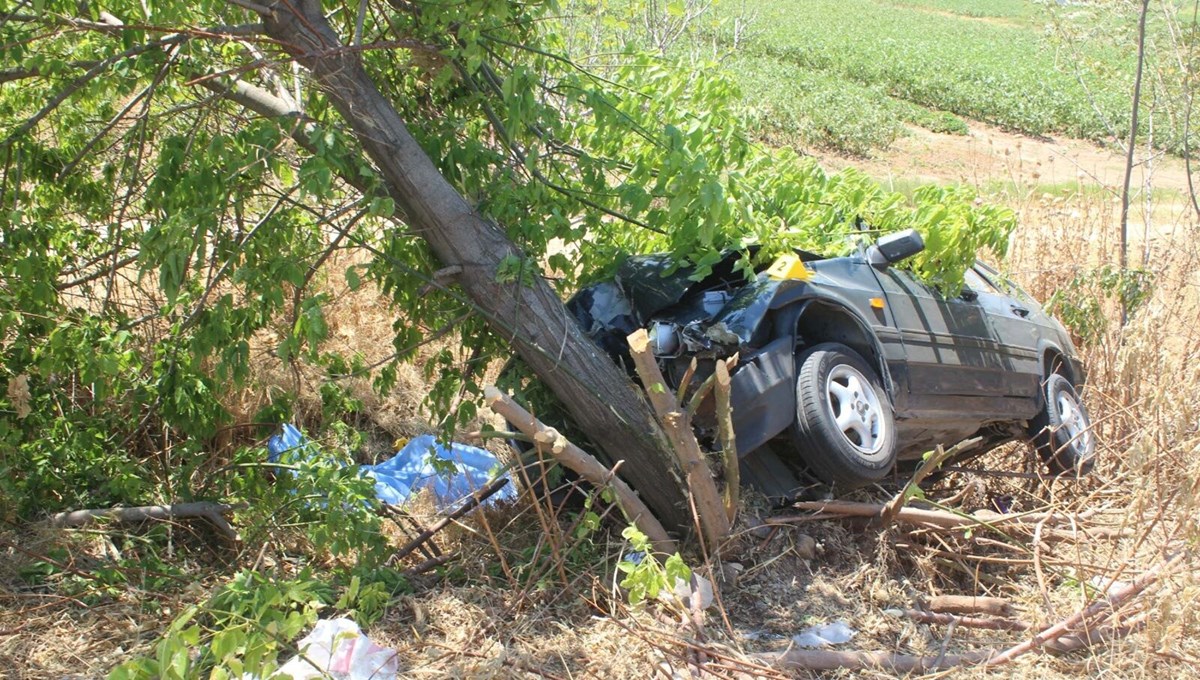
column 1082, row 303
column 244, row 628
column 645, row 576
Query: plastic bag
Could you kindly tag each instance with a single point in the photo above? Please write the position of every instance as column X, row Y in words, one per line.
column 338, row 649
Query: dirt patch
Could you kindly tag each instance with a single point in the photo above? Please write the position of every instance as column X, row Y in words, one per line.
column 988, row 156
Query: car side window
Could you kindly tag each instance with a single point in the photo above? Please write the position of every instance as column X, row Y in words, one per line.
column 978, row 283
column 1006, row 285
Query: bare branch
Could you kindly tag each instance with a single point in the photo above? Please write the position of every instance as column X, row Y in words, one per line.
column 582, row 463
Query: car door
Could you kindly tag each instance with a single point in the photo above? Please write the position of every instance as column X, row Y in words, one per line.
column 953, row 360
column 1017, row 322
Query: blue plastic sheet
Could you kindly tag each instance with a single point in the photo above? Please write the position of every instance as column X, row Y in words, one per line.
column 412, row 468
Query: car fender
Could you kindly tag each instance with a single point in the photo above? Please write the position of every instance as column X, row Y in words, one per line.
column 763, row 388
column 1047, row 346
column 792, row 309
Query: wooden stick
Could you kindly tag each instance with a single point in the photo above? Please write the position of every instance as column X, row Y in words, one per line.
column 431, row 563
column 714, row 525
column 583, row 464
column 829, row 660
column 965, row 621
column 937, row 519
column 470, row 504
column 206, row 509
column 728, row 439
column 1073, row 642
column 1114, row 601
column 969, row 604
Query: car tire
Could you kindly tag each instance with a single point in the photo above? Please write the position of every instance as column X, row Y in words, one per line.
column 844, row 429
column 1062, row 431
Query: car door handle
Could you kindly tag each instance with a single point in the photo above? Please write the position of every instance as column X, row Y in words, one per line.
column 1020, row 311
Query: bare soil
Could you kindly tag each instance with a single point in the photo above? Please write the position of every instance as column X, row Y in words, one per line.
column 991, row 155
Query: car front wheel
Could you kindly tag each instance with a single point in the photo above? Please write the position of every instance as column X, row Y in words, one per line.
column 1062, row 432
column 844, row 428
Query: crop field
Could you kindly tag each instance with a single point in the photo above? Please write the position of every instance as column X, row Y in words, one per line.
column 872, row 66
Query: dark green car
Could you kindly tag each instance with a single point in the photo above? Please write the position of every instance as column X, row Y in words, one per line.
column 848, row 364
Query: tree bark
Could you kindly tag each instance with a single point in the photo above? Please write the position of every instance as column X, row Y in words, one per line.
column 599, row 397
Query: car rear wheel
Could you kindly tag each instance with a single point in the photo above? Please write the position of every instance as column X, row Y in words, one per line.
column 1062, row 432
column 844, row 428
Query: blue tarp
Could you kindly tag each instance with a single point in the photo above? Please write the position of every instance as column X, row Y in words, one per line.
column 412, row 468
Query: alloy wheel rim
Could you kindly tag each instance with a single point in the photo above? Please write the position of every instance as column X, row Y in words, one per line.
column 1074, row 422
column 856, row 409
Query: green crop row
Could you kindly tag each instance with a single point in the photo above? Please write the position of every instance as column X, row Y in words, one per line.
column 847, row 73
column 1014, row 11
column 789, row 106
column 997, row 73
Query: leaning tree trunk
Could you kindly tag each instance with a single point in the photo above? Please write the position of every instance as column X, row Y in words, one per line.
column 599, row 397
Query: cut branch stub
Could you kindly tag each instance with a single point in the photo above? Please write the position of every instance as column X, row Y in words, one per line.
column 728, row 439
column 710, row 511
column 586, row 466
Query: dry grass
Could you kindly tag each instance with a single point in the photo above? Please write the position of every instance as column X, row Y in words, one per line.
column 529, row 597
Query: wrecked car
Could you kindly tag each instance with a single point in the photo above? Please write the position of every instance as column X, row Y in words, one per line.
column 849, row 364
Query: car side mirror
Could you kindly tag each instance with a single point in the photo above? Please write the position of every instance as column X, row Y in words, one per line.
column 890, row 249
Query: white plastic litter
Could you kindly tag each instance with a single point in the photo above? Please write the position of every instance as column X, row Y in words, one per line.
column 336, row 648
column 830, row 634
column 695, row 593
column 1109, row 586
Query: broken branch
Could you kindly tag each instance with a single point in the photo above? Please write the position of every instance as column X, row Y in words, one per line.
column 1103, row 606
column 728, row 439
column 969, row 604
column 203, row 509
column 830, row 660
column 935, row 519
column 470, row 504
column 965, row 621
column 582, row 463
column 714, row 525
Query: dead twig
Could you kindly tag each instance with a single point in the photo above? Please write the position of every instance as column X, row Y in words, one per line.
column 470, row 504
column 213, row 512
column 431, row 563
column 582, row 463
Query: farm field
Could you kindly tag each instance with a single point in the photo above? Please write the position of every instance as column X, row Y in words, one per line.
column 848, row 75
